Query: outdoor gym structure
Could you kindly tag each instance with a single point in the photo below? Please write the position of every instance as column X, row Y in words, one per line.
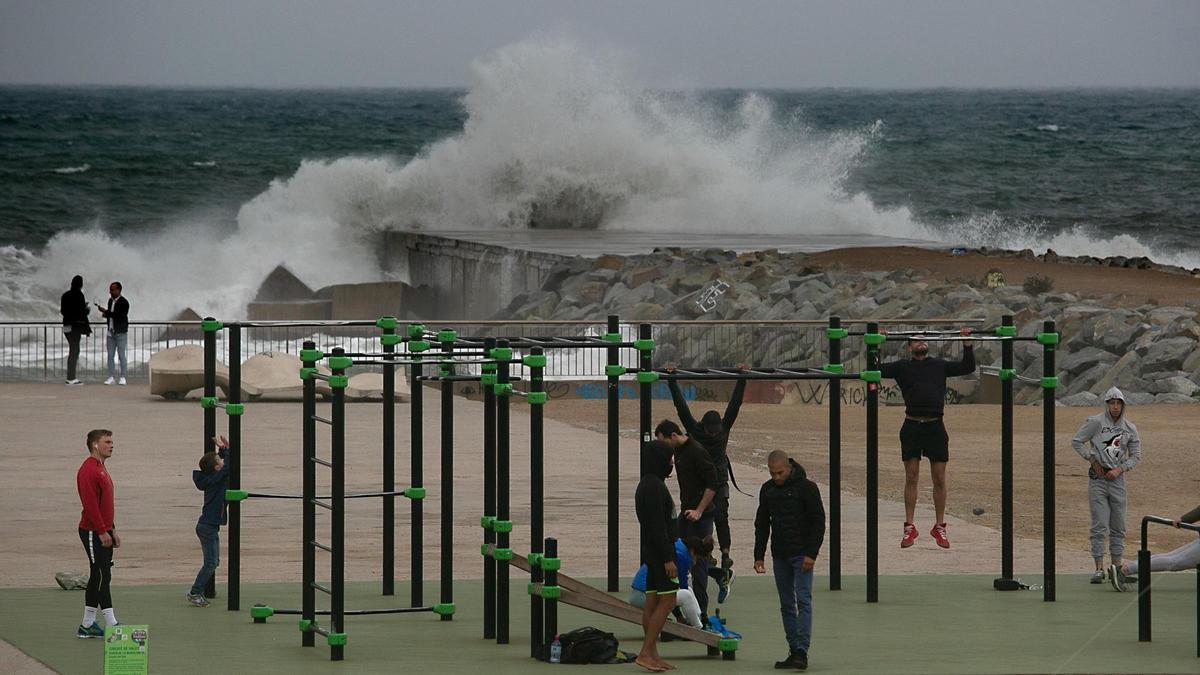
column 1144, row 579
column 494, row 357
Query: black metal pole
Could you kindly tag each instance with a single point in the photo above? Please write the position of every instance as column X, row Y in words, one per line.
column 416, row 449
column 447, row 580
column 210, row 326
column 337, row 382
column 614, row 456
column 537, row 398
column 1144, row 586
column 1049, row 382
column 873, row 469
column 551, row 604
column 1006, row 452
column 503, row 514
column 646, row 375
column 389, row 338
column 487, row 382
column 308, row 359
column 234, row 412
column 835, row 334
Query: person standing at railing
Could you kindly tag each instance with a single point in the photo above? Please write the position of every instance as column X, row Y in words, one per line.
column 74, row 309
column 117, row 315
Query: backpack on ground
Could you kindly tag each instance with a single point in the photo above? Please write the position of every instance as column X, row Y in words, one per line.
column 588, row 645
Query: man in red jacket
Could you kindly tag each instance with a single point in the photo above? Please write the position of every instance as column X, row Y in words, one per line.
column 96, row 531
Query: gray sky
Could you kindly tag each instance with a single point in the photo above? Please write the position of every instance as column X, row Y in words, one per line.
column 746, row 43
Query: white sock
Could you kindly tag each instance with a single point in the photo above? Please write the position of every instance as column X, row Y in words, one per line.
column 110, row 617
column 89, row 616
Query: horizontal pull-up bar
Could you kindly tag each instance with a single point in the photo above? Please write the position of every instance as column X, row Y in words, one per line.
column 433, row 362
column 753, row 374
column 359, row 612
column 1146, row 520
column 357, row 495
column 891, row 337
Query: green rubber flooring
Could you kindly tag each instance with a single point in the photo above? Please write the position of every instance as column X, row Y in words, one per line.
column 922, row 624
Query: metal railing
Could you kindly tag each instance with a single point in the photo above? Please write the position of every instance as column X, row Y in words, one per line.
column 37, row 350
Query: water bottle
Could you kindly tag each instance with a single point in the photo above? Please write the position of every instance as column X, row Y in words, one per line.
column 556, row 650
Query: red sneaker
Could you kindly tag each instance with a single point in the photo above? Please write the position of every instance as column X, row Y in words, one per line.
column 910, row 535
column 939, row 535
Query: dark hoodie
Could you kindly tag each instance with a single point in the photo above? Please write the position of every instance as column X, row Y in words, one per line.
column 712, row 433
column 791, row 515
column 213, row 483
column 655, row 507
column 74, row 308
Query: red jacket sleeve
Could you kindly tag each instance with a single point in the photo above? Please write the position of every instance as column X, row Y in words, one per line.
column 88, row 483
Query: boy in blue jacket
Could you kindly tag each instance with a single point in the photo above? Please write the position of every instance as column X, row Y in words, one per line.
column 212, row 477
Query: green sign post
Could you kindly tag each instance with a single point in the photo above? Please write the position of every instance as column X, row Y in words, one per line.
column 127, row 650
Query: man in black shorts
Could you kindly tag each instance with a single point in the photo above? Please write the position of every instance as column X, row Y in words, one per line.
column 922, row 381
column 656, row 518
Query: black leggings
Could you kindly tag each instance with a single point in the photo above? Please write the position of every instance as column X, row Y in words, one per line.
column 99, row 570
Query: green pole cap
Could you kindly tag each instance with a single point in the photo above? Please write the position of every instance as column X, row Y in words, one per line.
column 874, row 338
column 837, row 333
column 386, row 322
column 870, row 376
column 535, row 361
column 643, row 345
column 208, row 402
column 340, row 362
column 236, row 495
column 487, row 522
column 211, row 325
column 483, row 550
column 487, row 368
column 444, row 608
column 338, row 381
column 1006, row 331
column 414, row 492
column 551, row 592
column 1049, row 382
column 551, row 564
column 647, row 378
column 537, row 398
column 611, row 337
column 262, row 612
column 417, row 346
column 416, row 330
column 487, row 379
column 305, row 625
column 447, row 336
column 535, row 559
column 502, row 389
column 503, row 554
column 728, row 644
column 1007, row 373
column 311, row 354
column 615, row 371
column 500, row 353
column 235, row 409
column 503, row 526
column 336, row 639
column 1047, row 338
column 837, row 368
column 390, row 339
column 306, row 373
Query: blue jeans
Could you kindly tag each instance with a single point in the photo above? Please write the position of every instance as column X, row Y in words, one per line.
column 116, row 346
column 795, row 600
column 210, row 543
column 701, row 528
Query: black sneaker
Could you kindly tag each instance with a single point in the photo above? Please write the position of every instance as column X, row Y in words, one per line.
column 797, row 659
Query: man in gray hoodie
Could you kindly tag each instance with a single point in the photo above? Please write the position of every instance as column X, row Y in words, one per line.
column 1110, row 444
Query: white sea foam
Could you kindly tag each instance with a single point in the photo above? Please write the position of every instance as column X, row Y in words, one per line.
column 204, row 164
column 1048, row 127
column 73, row 169
column 557, row 135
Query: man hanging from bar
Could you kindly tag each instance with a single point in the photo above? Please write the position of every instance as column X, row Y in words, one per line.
column 922, row 380
column 712, row 432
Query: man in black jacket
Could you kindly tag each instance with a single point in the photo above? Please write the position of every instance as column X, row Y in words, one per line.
column 117, row 315
column 656, row 520
column 922, row 381
column 791, row 515
column 697, row 487
column 712, row 432
column 74, row 309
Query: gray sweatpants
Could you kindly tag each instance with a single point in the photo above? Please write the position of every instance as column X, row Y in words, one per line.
column 1106, row 499
column 1184, row 558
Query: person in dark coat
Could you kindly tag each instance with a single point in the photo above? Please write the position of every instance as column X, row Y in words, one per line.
column 74, row 309
column 791, row 515
column 117, row 315
column 656, row 520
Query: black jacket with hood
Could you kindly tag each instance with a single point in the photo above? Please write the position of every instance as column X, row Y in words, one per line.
column 715, row 443
column 791, row 515
column 655, row 506
column 74, row 308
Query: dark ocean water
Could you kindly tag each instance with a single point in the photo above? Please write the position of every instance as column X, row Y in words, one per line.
column 191, row 181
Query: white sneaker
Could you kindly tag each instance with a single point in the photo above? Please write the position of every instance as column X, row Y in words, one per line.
column 75, row 383
column 121, row 382
column 110, row 381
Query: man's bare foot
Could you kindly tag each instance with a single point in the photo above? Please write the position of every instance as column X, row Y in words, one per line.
column 665, row 665
column 648, row 664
